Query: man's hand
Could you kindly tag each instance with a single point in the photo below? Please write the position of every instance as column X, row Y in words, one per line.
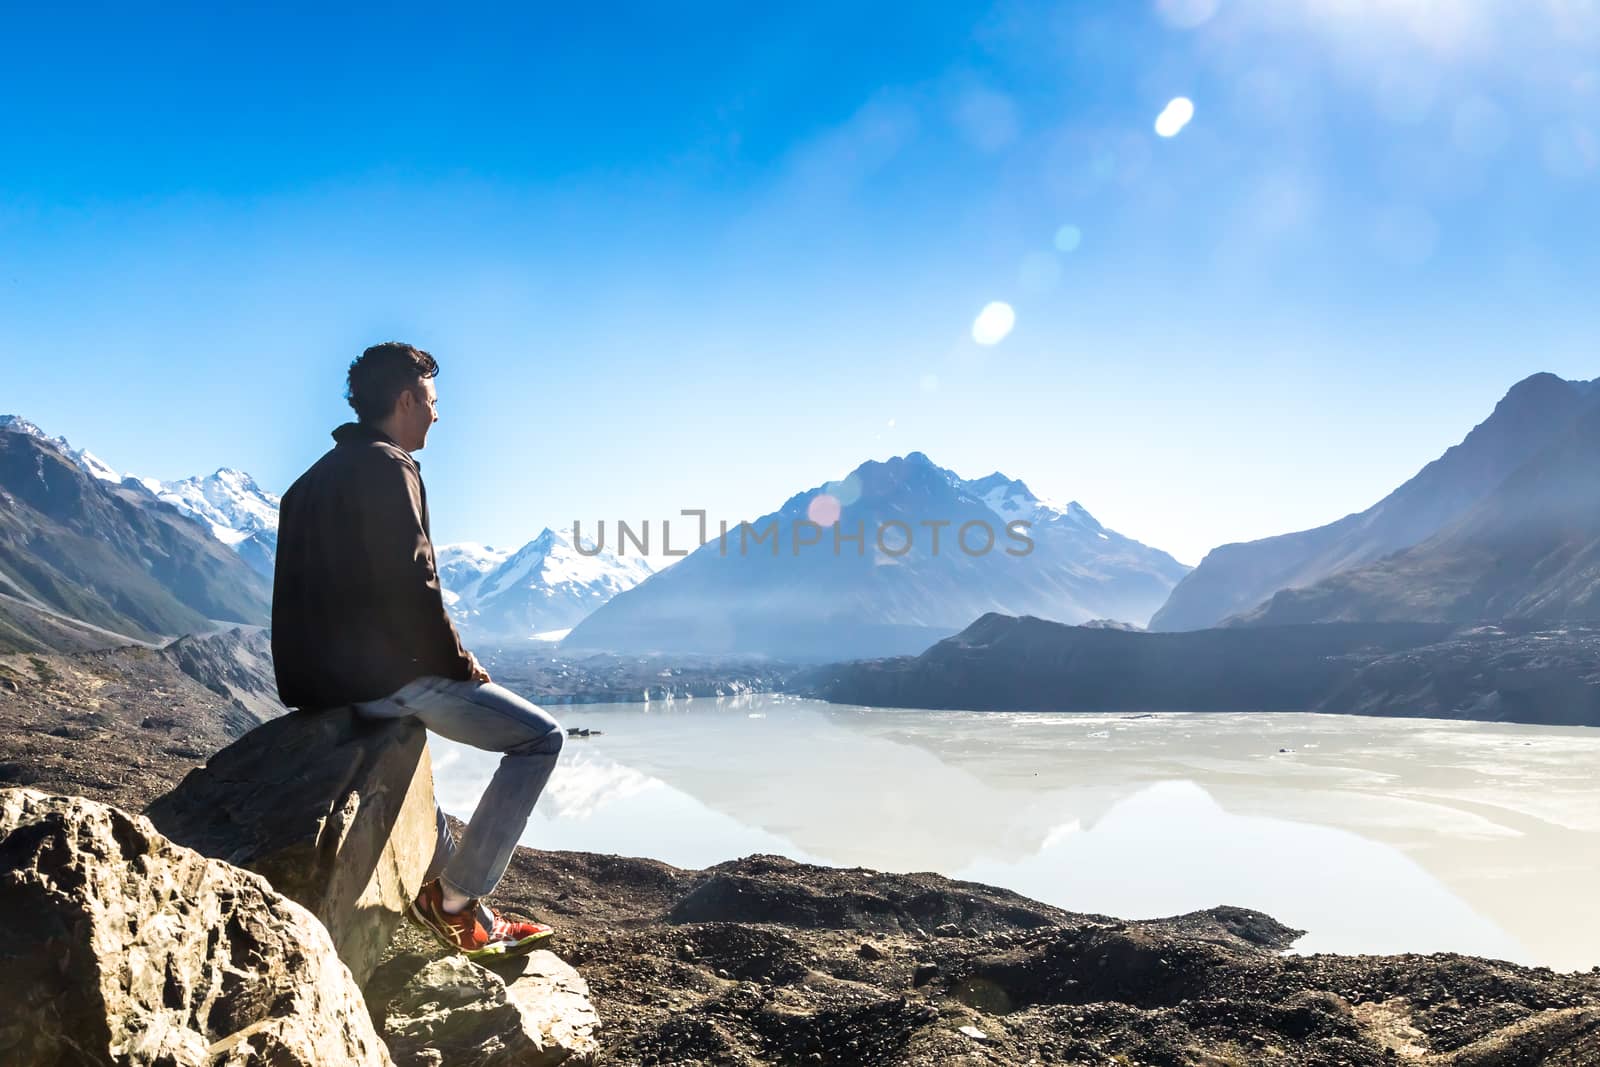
column 478, row 673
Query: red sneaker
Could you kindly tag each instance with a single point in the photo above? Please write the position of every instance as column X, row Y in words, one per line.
column 466, row 931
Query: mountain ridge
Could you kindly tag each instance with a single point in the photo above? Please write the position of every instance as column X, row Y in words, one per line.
column 109, row 556
column 1530, row 549
column 1236, row 578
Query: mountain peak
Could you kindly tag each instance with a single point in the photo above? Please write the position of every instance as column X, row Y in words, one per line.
column 1011, row 498
column 1237, row 579
column 548, row 584
column 1077, row 511
column 1008, row 497
column 990, row 482
column 228, row 501
column 18, row 424
column 844, row 604
column 1000, row 483
column 1537, row 390
column 86, row 460
column 540, row 546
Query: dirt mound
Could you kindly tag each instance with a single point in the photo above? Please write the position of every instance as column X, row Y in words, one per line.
column 764, row 960
column 771, row 889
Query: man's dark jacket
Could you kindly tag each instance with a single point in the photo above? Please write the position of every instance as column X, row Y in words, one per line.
column 356, row 606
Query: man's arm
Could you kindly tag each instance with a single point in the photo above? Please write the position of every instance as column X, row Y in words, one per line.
column 407, row 592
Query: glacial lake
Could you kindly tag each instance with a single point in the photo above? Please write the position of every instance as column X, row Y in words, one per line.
column 1373, row 835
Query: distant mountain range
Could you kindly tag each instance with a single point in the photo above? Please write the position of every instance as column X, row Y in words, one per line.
column 1517, row 673
column 1472, row 591
column 238, row 512
column 1503, row 526
column 547, row 585
column 1536, row 415
column 787, row 599
column 1077, row 569
column 74, row 543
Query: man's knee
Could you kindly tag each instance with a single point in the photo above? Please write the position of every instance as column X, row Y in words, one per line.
column 547, row 744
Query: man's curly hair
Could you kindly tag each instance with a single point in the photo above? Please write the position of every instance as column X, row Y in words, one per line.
column 381, row 374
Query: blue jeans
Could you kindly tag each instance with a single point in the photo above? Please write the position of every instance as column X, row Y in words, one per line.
column 486, row 716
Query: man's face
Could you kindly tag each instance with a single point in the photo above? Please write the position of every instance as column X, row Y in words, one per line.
column 418, row 411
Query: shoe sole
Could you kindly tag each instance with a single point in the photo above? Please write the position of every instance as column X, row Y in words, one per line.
column 503, row 949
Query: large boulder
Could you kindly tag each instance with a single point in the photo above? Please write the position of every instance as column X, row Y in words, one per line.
column 119, row 947
column 335, row 811
column 447, row 1011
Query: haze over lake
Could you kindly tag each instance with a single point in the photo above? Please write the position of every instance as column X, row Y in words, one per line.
column 1374, row 835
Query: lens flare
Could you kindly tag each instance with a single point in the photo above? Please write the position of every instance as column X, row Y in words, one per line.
column 993, row 323
column 823, row 509
column 845, row 491
column 1175, row 116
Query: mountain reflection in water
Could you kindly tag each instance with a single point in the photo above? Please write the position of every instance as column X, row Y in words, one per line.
column 1374, row 835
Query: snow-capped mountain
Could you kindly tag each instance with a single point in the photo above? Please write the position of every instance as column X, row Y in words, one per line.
column 229, row 501
column 461, row 567
column 79, row 547
column 545, row 585
column 912, row 582
column 88, row 461
column 238, row 512
column 1010, row 498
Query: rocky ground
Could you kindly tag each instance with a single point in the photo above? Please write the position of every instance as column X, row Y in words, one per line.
column 121, row 726
column 763, row 960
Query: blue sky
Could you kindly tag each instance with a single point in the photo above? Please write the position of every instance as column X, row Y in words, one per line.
column 709, row 257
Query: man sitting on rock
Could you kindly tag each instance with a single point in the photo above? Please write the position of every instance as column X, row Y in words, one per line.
column 358, row 619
